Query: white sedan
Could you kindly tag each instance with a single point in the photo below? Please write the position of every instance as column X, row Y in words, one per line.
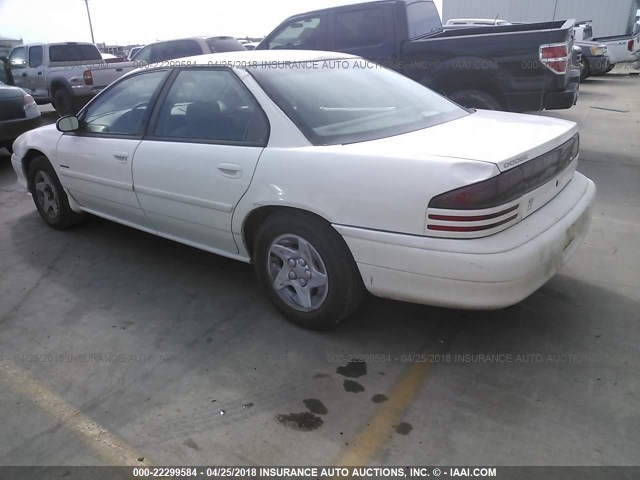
column 332, row 175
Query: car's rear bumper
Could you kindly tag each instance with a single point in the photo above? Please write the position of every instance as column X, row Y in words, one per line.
column 12, row 129
column 489, row 273
column 567, row 98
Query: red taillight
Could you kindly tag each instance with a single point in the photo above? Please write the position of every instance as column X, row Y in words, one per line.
column 28, row 100
column 555, row 57
column 87, row 77
column 490, row 193
column 630, row 45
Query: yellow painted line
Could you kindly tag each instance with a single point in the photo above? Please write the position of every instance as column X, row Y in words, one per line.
column 369, row 441
column 108, row 447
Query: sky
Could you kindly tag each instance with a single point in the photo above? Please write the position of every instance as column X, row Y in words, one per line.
column 124, row 22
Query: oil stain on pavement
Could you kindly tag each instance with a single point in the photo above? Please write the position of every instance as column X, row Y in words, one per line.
column 352, row 386
column 315, row 406
column 305, row 421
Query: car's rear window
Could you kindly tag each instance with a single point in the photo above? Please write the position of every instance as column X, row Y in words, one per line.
column 73, row 53
column 347, row 101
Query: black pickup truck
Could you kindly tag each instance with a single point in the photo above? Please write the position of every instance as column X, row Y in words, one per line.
column 512, row 67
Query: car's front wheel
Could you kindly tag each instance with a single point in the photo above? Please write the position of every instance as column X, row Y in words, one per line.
column 49, row 196
column 307, row 270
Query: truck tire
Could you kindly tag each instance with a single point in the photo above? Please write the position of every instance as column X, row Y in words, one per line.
column 63, row 103
column 476, row 99
column 49, row 196
column 586, row 70
column 307, row 270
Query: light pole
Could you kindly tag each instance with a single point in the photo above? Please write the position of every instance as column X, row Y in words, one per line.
column 86, row 3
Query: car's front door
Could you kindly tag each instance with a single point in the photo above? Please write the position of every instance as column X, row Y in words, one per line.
column 204, row 141
column 18, row 65
column 95, row 161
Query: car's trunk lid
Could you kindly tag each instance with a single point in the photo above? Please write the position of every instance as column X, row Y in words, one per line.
column 505, row 139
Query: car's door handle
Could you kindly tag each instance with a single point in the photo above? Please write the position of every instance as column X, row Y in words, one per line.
column 231, row 170
column 39, row 73
column 24, row 74
column 121, row 157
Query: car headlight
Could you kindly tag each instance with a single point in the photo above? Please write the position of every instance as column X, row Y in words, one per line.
column 598, row 51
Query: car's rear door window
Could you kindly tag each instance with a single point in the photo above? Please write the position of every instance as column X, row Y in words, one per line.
column 35, row 56
column 211, row 105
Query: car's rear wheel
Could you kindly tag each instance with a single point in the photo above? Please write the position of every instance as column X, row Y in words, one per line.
column 476, row 99
column 307, row 270
column 49, row 196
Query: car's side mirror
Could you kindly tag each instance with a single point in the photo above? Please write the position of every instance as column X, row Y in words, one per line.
column 68, row 123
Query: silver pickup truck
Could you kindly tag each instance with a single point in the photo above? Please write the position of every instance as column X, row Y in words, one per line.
column 54, row 72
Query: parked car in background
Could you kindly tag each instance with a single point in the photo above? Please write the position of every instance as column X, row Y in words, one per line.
column 331, row 181
column 186, row 47
column 162, row 52
column 503, row 67
column 18, row 114
column 133, row 52
column 53, row 72
column 620, row 48
column 594, row 59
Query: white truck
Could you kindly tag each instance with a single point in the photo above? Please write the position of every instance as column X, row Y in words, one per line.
column 620, row 48
column 55, row 72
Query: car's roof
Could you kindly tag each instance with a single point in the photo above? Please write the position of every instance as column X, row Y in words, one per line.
column 242, row 59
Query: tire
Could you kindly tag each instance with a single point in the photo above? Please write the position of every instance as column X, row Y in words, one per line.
column 63, row 103
column 586, row 70
column 49, row 196
column 281, row 241
column 476, row 99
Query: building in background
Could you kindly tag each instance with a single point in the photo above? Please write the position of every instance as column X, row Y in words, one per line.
column 612, row 17
column 7, row 44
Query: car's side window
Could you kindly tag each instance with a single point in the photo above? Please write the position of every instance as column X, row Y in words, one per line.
column 35, row 56
column 174, row 49
column 303, row 34
column 213, row 106
column 359, row 28
column 122, row 110
column 17, row 59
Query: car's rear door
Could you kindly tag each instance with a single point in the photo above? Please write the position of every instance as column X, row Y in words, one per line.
column 204, row 141
column 95, row 162
column 35, row 72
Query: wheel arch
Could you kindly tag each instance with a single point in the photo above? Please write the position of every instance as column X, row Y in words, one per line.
column 256, row 217
column 451, row 83
column 28, row 159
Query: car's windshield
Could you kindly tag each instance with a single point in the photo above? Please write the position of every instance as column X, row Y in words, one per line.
column 346, row 101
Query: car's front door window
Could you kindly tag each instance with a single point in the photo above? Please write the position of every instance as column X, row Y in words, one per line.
column 303, row 34
column 122, row 110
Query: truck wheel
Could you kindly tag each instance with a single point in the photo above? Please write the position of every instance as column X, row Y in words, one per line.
column 476, row 99
column 307, row 270
column 63, row 103
column 49, row 196
column 586, row 70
